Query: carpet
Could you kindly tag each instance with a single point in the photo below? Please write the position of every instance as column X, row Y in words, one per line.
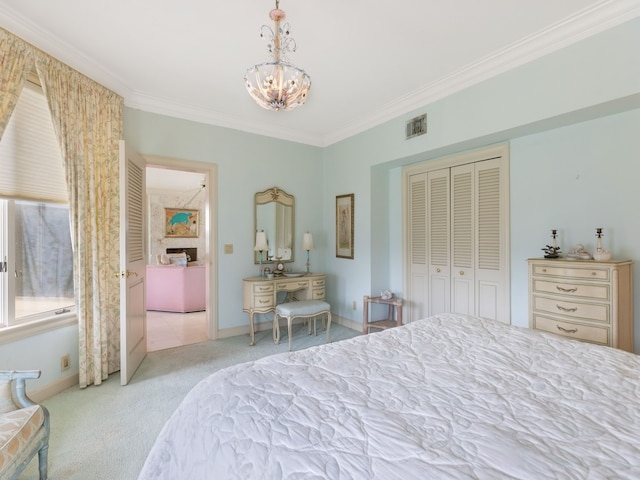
column 105, row 432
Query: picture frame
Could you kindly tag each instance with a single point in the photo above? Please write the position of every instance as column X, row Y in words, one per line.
column 181, row 223
column 344, row 225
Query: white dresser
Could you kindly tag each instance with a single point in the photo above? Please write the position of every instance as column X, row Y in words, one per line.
column 583, row 299
column 260, row 294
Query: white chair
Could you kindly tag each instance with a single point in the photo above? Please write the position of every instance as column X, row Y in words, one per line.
column 307, row 309
column 24, row 426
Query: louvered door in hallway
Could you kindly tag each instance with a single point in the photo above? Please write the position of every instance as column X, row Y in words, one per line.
column 457, row 236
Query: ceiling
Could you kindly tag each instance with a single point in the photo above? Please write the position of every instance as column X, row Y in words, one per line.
column 369, row 60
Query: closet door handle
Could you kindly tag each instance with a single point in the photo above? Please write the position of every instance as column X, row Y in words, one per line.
column 461, row 272
column 437, row 270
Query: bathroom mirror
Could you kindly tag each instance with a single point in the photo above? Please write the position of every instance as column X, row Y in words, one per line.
column 275, row 214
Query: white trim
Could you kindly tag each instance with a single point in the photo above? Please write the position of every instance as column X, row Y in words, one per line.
column 585, row 23
column 37, row 327
column 59, row 385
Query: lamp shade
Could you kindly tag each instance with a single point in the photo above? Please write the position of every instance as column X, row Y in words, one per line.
column 307, row 241
column 261, row 242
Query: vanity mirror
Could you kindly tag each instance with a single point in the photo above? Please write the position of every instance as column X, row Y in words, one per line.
column 275, row 214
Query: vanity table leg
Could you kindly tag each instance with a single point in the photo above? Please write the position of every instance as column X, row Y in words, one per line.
column 251, row 330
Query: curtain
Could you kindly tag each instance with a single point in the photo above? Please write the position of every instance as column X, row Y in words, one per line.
column 15, row 64
column 88, row 122
column 87, row 119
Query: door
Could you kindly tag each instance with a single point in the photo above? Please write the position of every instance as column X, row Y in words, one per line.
column 463, row 239
column 133, row 318
column 439, row 242
column 458, row 236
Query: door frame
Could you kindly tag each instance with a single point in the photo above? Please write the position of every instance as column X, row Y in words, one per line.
column 211, row 227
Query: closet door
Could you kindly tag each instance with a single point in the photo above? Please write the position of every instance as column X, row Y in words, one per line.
column 492, row 231
column 417, row 248
column 438, row 242
column 463, row 239
column 458, row 236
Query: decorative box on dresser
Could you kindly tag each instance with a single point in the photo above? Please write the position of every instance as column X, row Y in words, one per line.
column 260, row 294
column 583, row 299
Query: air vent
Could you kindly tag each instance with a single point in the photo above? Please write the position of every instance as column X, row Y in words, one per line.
column 417, row 126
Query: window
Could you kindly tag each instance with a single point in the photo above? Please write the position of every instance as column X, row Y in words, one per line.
column 36, row 279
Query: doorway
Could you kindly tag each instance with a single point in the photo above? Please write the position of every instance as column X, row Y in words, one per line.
column 191, row 317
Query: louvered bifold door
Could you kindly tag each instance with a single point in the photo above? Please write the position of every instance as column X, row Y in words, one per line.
column 491, row 272
column 463, row 239
column 417, row 301
column 438, row 242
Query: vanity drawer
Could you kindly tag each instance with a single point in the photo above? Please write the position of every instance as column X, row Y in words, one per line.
column 597, row 292
column 589, row 333
column 588, row 311
column 292, row 285
column 319, row 282
column 317, row 294
column 263, row 301
column 259, row 288
column 578, row 273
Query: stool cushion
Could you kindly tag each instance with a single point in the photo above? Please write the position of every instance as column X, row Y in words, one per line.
column 302, row 307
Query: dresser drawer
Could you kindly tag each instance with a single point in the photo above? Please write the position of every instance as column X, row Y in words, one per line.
column 318, row 294
column 292, row 285
column 318, row 282
column 588, row 311
column 578, row 331
column 597, row 292
column 583, row 273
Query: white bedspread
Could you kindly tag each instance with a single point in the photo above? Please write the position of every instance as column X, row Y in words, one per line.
column 446, row 397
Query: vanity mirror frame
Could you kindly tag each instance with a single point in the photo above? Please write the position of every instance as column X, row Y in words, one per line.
column 280, row 232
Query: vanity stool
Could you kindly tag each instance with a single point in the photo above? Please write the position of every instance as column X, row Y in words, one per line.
column 300, row 309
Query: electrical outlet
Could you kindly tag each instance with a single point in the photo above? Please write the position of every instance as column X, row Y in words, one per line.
column 355, row 305
column 65, row 362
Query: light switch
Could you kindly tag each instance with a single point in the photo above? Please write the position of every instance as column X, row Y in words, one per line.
column 228, row 248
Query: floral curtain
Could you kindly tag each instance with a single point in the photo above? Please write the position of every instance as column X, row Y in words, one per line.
column 15, row 64
column 87, row 119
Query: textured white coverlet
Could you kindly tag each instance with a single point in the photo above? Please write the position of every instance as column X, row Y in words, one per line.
column 450, row 396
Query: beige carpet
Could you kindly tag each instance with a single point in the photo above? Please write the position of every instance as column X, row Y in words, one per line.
column 106, row 432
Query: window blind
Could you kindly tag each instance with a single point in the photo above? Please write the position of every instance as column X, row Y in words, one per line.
column 31, row 165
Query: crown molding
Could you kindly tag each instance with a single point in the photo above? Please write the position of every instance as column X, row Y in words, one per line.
column 162, row 106
column 28, row 31
column 588, row 22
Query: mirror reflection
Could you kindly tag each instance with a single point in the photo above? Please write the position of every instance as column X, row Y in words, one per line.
column 274, row 214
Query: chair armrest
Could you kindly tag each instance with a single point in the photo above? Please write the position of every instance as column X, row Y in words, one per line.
column 19, row 377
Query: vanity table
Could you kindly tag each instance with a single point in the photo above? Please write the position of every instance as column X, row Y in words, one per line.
column 260, row 294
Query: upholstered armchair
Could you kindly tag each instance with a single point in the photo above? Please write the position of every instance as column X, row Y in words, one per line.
column 24, row 426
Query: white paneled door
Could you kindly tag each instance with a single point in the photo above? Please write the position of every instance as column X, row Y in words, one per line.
column 133, row 319
column 458, row 236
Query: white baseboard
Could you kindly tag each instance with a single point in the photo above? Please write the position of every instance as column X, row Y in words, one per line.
column 262, row 326
column 41, row 394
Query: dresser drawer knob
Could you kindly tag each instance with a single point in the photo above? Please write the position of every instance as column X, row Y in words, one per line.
column 567, row 290
column 566, row 330
column 564, row 309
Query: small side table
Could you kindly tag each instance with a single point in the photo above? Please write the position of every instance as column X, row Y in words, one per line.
column 381, row 324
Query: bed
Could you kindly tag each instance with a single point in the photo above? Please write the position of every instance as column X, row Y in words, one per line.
column 449, row 396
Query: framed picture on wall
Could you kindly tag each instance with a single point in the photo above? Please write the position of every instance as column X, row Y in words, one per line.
column 180, row 223
column 344, row 226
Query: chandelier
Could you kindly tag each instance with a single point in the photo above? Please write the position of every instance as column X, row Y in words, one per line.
column 277, row 84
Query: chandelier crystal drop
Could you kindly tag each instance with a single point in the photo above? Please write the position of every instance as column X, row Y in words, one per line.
column 277, row 84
